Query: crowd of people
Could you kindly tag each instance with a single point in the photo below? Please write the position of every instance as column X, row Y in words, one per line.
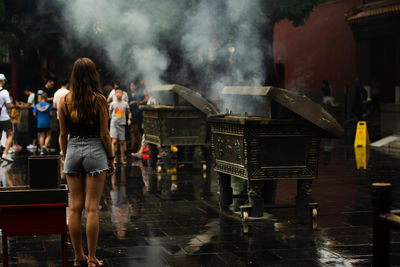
column 364, row 100
column 93, row 123
column 124, row 122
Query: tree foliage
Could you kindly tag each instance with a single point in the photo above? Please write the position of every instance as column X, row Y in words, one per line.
column 296, row 11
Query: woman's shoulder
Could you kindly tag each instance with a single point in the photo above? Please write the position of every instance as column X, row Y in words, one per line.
column 65, row 98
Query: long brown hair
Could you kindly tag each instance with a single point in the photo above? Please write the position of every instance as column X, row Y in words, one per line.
column 86, row 97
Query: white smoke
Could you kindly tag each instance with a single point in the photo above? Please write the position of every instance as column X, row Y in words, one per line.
column 122, row 31
column 225, row 33
column 220, row 40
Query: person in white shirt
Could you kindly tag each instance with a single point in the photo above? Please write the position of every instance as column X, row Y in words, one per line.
column 60, row 93
column 112, row 98
column 5, row 120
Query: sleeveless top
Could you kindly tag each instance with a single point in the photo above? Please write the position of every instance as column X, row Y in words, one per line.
column 76, row 129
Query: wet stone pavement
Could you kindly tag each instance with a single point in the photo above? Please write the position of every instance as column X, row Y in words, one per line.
column 172, row 219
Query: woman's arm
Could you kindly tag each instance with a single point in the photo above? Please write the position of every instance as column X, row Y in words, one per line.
column 104, row 133
column 63, row 139
column 145, row 99
column 128, row 110
column 110, row 96
column 22, row 104
column 106, row 139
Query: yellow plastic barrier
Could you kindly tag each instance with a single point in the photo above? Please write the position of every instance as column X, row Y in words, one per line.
column 174, row 149
column 361, row 145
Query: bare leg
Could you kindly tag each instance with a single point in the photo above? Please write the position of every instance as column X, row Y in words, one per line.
column 76, row 186
column 41, row 140
column 10, row 134
column 122, row 145
column 15, row 129
column 48, row 138
column 143, row 144
column 114, row 146
column 94, row 190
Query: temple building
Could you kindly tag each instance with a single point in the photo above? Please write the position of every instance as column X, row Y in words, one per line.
column 346, row 42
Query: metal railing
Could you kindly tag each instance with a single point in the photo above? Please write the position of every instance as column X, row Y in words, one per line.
column 383, row 221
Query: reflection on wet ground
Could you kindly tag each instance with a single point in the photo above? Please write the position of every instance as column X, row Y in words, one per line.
column 172, row 219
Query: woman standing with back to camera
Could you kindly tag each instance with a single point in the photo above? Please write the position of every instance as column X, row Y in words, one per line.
column 83, row 115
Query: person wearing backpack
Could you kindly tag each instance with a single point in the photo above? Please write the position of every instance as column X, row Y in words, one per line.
column 5, row 120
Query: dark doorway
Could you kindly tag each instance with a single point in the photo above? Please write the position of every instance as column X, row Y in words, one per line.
column 280, row 74
column 383, row 67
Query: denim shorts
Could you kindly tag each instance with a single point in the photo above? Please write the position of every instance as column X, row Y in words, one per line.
column 85, row 155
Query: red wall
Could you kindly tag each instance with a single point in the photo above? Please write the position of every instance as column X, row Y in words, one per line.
column 322, row 48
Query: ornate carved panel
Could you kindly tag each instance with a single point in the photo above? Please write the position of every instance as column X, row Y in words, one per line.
column 175, row 126
column 228, row 168
column 227, row 128
column 266, row 151
column 229, row 148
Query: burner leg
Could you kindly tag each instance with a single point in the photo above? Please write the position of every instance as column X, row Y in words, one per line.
column 304, row 188
column 255, row 193
column 152, row 155
column 165, row 186
column 269, row 192
column 166, row 157
column 197, row 157
column 152, row 177
column 225, row 190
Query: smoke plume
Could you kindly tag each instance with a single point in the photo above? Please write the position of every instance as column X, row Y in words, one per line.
column 222, row 37
column 219, row 40
column 122, row 32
